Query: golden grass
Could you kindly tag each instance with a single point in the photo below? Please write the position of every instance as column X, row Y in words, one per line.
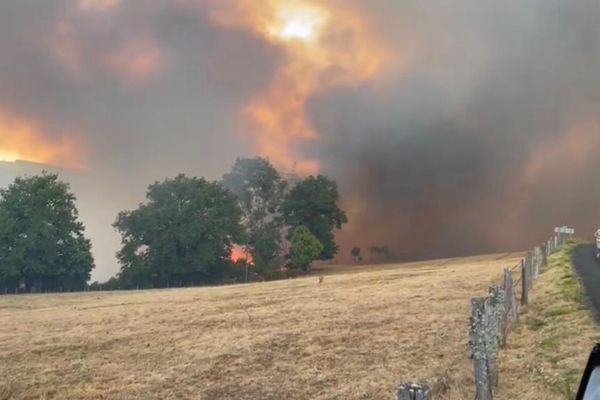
column 355, row 336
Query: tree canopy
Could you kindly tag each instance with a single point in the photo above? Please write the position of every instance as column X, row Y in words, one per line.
column 182, row 235
column 259, row 189
column 42, row 242
column 305, row 248
column 313, row 202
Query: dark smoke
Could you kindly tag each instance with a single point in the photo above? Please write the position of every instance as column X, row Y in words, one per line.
column 481, row 135
column 487, row 140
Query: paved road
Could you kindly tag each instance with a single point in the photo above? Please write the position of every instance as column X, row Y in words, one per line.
column 588, row 268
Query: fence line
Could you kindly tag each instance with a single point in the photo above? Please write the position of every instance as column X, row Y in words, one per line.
column 492, row 317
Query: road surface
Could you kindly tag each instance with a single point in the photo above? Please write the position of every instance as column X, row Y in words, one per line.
column 588, row 268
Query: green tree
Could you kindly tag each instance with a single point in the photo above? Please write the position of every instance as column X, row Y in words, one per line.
column 304, row 248
column 42, row 242
column 182, row 235
column 259, row 190
column 313, row 202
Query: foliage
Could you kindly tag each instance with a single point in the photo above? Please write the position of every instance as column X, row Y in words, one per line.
column 305, row 248
column 114, row 283
column 42, row 242
column 259, row 190
column 182, row 236
column 313, row 202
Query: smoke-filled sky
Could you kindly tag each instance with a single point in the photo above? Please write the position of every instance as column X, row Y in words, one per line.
column 451, row 127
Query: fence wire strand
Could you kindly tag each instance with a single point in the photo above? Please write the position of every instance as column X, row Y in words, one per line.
column 517, row 281
column 516, row 266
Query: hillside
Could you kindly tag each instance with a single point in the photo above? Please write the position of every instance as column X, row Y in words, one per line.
column 354, row 336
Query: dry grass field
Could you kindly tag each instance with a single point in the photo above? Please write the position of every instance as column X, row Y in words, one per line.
column 354, row 336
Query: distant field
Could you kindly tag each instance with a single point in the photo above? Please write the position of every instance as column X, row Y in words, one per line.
column 354, row 336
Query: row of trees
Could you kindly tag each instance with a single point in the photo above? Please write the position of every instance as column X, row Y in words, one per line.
column 182, row 235
column 185, row 232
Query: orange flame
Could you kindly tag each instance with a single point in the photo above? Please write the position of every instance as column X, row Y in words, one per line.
column 324, row 46
column 23, row 140
column 240, row 253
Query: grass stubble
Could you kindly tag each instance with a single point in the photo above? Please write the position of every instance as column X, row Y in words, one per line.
column 356, row 335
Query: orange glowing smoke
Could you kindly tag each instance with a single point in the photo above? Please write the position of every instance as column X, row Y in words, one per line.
column 23, row 140
column 98, row 4
column 324, row 46
column 240, row 253
column 135, row 61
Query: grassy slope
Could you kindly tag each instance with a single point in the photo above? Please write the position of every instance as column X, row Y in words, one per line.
column 355, row 336
column 548, row 349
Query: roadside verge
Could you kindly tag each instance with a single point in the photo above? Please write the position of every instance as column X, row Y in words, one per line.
column 549, row 347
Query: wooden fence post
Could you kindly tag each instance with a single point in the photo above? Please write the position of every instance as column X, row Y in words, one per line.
column 527, row 270
column 530, row 269
column 479, row 353
column 538, row 263
column 498, row 304
column 491, row 338
column 524, row 286
column 413, row 391
column 545, row 255
column 532, row 261
column 511, row 300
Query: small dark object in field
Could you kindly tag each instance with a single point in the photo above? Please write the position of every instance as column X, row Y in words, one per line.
column 320, row 280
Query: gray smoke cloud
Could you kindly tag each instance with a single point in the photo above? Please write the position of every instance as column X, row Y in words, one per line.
column 484, row 142
column 153, row 88
column 480, row 135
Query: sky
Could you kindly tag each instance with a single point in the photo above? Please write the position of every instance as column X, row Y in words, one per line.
column 451, row 127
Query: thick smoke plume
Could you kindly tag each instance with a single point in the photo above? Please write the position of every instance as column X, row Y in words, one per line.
column 484, row 142
column 477, row 131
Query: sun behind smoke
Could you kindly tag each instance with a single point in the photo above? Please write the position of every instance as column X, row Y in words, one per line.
column 297, row 21
column 321, row 51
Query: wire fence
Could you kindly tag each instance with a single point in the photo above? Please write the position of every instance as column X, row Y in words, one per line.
column 493, row 316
